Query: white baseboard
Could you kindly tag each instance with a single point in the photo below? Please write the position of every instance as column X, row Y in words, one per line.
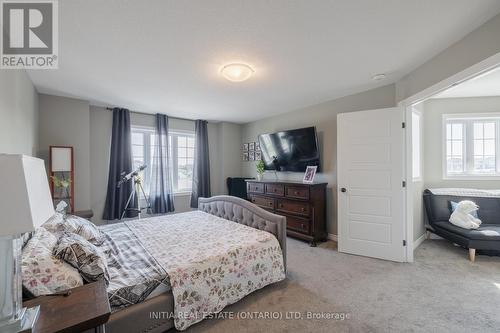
column 332, row 237
column 418, row 241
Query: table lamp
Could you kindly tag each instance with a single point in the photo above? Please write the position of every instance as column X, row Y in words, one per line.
column 25, row 204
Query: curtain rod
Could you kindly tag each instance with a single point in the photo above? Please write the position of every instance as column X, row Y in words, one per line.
column 152, row 114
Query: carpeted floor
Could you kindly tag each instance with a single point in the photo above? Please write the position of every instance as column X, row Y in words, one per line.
column 442, row 291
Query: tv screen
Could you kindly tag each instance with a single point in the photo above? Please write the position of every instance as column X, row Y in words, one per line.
column 291, row 150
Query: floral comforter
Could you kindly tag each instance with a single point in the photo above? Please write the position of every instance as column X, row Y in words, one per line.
column 210, row 262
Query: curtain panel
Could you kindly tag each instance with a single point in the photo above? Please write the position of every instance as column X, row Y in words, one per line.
column 161, row 191
column 120, row 163
column 201, row 167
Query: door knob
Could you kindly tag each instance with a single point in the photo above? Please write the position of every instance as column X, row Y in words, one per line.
column 343, row 189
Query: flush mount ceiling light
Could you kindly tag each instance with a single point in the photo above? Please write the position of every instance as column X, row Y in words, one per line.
column 237, row 72
column 378, row 77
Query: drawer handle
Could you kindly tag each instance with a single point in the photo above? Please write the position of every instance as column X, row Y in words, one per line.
column 302, row 225
column 303, row 209
column 297, row 193
column 256, row 188
column 275, row 189
column 281, row 205
column 270, row 204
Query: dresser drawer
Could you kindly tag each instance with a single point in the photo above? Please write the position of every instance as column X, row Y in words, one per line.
column 298, row 224
column 255, row 188
column 264, row 202
column 297, row 192
column 275, row 189
column 295, row 207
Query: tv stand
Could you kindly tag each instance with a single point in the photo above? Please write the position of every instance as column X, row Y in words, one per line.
column 303, row 205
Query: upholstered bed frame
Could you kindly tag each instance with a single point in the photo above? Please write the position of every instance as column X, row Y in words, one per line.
column 154, row 315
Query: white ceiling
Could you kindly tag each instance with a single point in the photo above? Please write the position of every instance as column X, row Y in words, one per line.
column 165, row 56
column 484, row 85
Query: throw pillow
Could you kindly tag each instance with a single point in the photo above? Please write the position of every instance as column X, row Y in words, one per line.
column 59, row 224
column 41, row 272
column 90, row 261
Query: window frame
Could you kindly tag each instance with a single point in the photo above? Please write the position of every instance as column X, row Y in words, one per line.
column 147, row 144
column 468, row 119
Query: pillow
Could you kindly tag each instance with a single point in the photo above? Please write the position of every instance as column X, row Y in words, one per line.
column 73, row 224
column 454, row 205
column 87, row 258
column 41, row 272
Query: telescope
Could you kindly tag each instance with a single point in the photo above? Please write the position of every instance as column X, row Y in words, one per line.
column 129, row 176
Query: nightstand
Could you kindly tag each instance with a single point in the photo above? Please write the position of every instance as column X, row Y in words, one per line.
column 86, row 307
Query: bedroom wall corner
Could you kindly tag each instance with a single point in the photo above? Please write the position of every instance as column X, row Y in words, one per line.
column 18, row 113
column 66, row 122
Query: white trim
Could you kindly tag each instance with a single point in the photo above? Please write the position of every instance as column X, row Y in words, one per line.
column 419, row 241
column 464, row 75
column 333, row 237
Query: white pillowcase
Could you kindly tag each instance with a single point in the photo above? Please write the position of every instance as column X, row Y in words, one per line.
column 42, row 273
column 58, row 224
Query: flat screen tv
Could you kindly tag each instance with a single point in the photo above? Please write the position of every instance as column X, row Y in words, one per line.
column 291, row 150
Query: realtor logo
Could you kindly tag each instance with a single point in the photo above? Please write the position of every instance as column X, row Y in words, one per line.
column 29, row 34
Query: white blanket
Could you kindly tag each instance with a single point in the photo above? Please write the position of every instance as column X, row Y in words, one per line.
column 211, row 262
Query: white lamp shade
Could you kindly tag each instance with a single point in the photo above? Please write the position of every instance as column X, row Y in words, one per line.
column 25, row 200
column 60, row 158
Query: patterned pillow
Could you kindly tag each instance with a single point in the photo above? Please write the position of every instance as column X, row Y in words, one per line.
column 74, row 224
column 42, row 273
column 87, row 258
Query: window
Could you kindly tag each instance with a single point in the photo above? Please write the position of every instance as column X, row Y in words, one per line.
column 472, row 146
column 416, row 150
column 181, row 152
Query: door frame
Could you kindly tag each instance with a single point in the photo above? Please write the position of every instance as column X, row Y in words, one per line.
column 407, row 105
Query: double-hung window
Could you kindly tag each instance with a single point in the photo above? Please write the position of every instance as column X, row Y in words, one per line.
column 471, row 146
column 181, row 153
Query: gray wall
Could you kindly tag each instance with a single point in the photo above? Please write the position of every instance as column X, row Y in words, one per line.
column 18, row 113
column 477, row 46
column 433, row 145
column 324, row 117
column 66, row 122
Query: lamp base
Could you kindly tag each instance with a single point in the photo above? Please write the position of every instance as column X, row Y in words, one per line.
column 24, row 323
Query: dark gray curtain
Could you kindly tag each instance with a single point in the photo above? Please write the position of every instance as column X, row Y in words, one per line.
column 120, row 162
column 201, row 167
column 161, row 192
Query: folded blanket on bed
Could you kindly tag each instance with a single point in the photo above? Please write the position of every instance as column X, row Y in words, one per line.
column 210, row 262
column 133, row 272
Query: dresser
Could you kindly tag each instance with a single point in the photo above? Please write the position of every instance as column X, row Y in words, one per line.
column 303, row 205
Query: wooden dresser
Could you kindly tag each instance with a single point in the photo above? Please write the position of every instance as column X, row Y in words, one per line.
column 304, row 206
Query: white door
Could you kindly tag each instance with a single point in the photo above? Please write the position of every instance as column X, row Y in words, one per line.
column 370, row 159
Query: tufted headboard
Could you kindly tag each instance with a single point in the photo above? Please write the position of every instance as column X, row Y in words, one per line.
column 241, row 211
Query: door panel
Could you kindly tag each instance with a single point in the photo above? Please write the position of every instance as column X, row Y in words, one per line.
column 371, row 169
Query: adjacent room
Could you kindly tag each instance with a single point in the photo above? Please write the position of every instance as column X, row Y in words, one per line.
column 249, row 166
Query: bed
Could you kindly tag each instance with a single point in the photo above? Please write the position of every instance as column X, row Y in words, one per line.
column 174, row 270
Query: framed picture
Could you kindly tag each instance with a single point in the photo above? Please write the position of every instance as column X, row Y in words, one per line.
column 245, row 146
column 258, row 155
column 251, row 146
column 257, row 146
column 251, row 156
column 245, row 156
column 309, row 174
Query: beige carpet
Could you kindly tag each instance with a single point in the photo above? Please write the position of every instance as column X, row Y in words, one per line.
column 440, row 292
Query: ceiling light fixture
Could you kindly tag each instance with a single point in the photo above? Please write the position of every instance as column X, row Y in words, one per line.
column 378, row 77
column 237, row 72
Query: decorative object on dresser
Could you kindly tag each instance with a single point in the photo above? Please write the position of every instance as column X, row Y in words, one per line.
column 303, row 205
column 26, row 204
column 61, row 172
column 77, row 310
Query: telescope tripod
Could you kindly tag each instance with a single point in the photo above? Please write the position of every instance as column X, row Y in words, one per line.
column 138, row 188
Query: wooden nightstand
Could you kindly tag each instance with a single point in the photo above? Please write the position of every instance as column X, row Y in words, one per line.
column 86, row 214
column 87, row 307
